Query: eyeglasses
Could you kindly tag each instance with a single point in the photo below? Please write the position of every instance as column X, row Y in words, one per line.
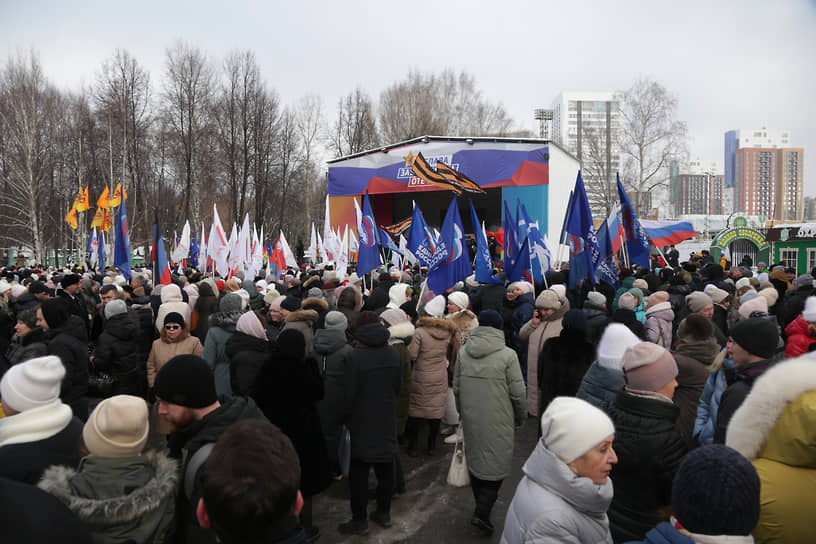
column 171, row 327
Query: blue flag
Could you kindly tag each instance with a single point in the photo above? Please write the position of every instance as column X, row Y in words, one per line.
column 584, row 251
column 450, row 260
column 194, row 251
column 121, row 253
column 607, row 269
column 540, row 254
column 103, row 251
column 368, row 255
column 483, row 263
column 511, row 240
column 521, row 269
column 387, row 243
column 637, row 242
column 421, row 241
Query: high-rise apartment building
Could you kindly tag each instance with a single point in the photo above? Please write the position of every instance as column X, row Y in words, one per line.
column 696, row 188
column 758, row 138
column 588, row 125
column 790, row 186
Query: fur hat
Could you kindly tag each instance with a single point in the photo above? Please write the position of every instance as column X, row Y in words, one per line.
column 716, row 491
column 640, row 283
column 471, row 281
column 596, row 298
column 695, row 327
column 4, row 286
column 33, row 383
column 270, row 296
column 771, row 295
column 748, row 295
column 436, row 306
column 756, row 335
column 570, row 427
column 615, row 340
column 547, row 300
column 648, row 367
column 697, row 300
column 115, row 307
column 559, row 290
column 118, row 427
column 393, row 316
column 626, row 301
column 743, row 282
column 460, row 299
column 68, row 280
column 186, row 380
column 756, row 304
column 809, row 313
column 18, row 290
column 525, row 286
column 491, row 318
column 336, row 320
column 656, row 298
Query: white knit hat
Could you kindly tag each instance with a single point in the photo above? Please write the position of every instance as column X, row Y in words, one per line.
column 614, row 341
column 118, row 427
column 460, row 299
column 570, row 427
column 436, row 306
column 596, row 297
column 33, row 383
column 18, row 290
column 559, row 290
column 809, row 313
column 743, row 282
column 4, row 286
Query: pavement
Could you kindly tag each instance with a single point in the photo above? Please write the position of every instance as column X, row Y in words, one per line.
column 430, row 511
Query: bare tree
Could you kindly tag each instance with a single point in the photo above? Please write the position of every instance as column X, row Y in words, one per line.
column 310, row 123
column 598, row 170
column 187, row 99
column 650, row 137
column 29, row 107
column 355, row 129
column 288, row 168
column 267, row 122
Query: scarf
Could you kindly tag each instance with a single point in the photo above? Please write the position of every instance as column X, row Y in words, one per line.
column 249, row 324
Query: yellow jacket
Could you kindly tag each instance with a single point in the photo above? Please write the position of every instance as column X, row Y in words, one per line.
column 776, row 429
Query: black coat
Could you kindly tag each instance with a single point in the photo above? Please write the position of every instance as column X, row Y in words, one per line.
column 118, row 354
column 76, row 306
column 629, row 318
column 26, row 462
column 597, row 320
column 372, row 384
column 246, row 355
column 332, row 354
column 28, row 346
column 649, row 450
column 287, row 391
column 489, row 296
column 738, row 384
column 563, row 361
column 70, row 344
column 793, row 304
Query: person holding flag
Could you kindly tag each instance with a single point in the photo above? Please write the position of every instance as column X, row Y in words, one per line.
column 637, row 241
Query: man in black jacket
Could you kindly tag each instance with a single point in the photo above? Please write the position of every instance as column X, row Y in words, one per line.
column 751, row 345
column 71, row 293
column 185, row 394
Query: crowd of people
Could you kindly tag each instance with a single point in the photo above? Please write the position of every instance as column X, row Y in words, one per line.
column 680, row 407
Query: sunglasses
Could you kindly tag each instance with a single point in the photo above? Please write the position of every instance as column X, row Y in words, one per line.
column 171, row 327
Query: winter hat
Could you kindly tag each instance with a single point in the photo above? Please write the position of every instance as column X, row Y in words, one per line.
column 716, row 492
column 763, row 276
column 115, row 307
column 809, row 313
column 570, row 427
column 18, row 290
column 615, row 340
column 392, row 316
column 596, row 298
column 743, row 282
column 640, row 283
column 656, row 298
column 315, row 292
column 232, row 285
column 460, row 299
column 756, row 304
column 336, row 320
column 33, row 383
column 695, row 327
column 697, row 300
column 525, row 286
column 748, row 295
column 354, row 278
column 28, row 317
column 436, row 306
column 292, row 344
column 758, row 336
column 470, row 280
column 805, row 280
column 250, row 324
column 626, row 301
column 55, row 311
column 291, row 304
column 72, row 279
column 173, row 317
column 648, row 367
column 410, row 310
column 118, row 427
column 270, row 296
column 4, row 286
column 261, row 286
column 231, row 302
column 575, row 320
column 717, row 295
column 559, row 290
column 186, row 380
column 547, row 300
column 771, row 295
column 275, row 303
column 491, row 318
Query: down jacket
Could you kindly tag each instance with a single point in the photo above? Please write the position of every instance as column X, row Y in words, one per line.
column 432, row 347
column 399, row 338
column 128, row 499
column 221, row 329
column 489, row 392
column 600, row 386
column 659, row 320
column 118, row 353
column 535, row 336
column 553, row 504
column 332, row 354
column 172, row 301
column 775, row 428
column 709, row 405
column 800, row 337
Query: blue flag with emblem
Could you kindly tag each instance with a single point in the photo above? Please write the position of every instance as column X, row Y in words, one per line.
column 421, row 241
column 540, row 253
column 637, row 241
column 483, row 264
column 450, row 260
column 607, row 269
column 511, row 239
column 368, row 254
column 521, row 268
column 121, row 251
column 194, row 251
column 583, row 240
column 103, row 251
column 388, row 243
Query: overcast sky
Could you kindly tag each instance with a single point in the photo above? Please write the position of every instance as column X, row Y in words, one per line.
column 738, row 64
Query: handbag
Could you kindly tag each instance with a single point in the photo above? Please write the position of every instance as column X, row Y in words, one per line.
column 100, row 384
column 344, row 451
column 451, row 416
column 458, row 472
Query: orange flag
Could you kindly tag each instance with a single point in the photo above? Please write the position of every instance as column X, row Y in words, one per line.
column 104, row 199
column 82, row 202
column 106, row 221
column 71, row 218
column 116, row 199
column 99, row 218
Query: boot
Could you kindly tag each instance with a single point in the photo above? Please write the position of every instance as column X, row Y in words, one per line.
column 433, row 432
column 411, row 431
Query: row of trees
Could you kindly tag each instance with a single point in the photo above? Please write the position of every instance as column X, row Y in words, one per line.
column 204, row 132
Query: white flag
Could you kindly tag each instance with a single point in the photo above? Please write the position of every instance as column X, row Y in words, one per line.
column 343, row 258
column 311, row 253
column 321, row 249
column 218, row 247
column 202, row 252
column 245, row 246
column 291, row 262
column 234, row 258
column 182, row 250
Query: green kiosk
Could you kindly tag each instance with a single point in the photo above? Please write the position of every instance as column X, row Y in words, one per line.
column 741, row 240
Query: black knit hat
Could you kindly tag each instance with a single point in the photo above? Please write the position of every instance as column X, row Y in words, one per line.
column 695, row 327
column 491, row 318
column 716, row 492
column 68, row 280
column 174, row 317
column 55, row 311
column 756, row 335
column 291, row 303
column 186, row 380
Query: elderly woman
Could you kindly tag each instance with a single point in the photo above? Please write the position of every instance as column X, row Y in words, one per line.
column 517, row 309
column 544, row 324
column 566, row 490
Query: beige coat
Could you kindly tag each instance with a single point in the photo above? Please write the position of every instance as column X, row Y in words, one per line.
column 465, row 322
column 535, row 336
column 161, row 352
column 433, row 345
